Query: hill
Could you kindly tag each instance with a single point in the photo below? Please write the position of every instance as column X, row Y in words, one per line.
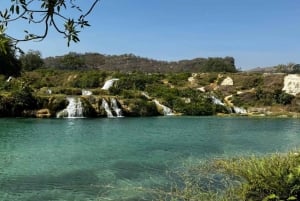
column 130, row 63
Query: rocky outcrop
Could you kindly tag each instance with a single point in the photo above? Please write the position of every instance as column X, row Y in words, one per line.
column 292, row 84
column 228, row 81
column 43, row 113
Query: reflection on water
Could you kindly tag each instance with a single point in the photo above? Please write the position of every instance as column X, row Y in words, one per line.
column 100, row 159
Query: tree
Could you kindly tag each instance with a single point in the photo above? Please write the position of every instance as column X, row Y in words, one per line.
column 31, row 60
column 72, row 61
column 46, row 13
column 9, row 64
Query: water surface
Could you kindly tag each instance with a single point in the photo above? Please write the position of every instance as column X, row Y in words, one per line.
column 113, row 159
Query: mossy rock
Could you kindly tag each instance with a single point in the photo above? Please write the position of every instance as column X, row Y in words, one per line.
column 89, row 110
column 140, row 107
column 56, row 104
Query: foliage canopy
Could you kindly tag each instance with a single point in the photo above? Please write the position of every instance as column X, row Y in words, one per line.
column 46, row 14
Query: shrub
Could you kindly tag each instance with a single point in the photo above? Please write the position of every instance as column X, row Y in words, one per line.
column 178, row 79
column 6, row 104
column 140, row 107
column 23, row 100
column 274, row 177
column 57, row 103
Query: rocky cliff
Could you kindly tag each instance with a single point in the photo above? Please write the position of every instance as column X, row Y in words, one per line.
column 113, row 94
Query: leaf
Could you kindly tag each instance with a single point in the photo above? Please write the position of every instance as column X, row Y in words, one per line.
column 17, row 9
column 12, row 9
column 3, row 43
column 292, row 198
column 270, row 197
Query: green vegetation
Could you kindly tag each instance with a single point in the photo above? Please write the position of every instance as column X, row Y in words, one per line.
column 132, row 63
column 44, row 15
column 186, row 86
column 185, row 93
column 31, row 60
column 273, row 177
column 9, row 64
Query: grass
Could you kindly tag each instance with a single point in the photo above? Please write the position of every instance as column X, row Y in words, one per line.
column 273, row 177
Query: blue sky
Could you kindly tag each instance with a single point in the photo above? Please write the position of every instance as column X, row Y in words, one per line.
column 257, row 33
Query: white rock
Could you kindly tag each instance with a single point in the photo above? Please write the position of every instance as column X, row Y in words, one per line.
column 202, row 89
column 86, row 92
column 292, row 84
column 227, row 82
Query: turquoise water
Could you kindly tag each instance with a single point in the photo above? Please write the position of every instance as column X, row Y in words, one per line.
column 115, row 159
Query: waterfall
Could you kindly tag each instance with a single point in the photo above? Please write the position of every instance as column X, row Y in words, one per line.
column 217, row 101
column 115, row 107
column 107, row 108
column 166, row 111
column 239, row 110
column 73, row 110
column 109, row 83
column 231, row 108
column 86, row 92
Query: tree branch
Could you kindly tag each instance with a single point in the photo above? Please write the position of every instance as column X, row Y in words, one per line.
column 49, row 9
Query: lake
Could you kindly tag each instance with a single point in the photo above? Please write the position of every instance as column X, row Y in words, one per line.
column 113, row 159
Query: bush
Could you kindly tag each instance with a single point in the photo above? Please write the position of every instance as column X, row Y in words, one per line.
column 178, row 79
column 140, row 107
column 23, row 100
column 271, row 178
column 56, row 104
column 67, row 91
column 6, row 105
column 275, row 177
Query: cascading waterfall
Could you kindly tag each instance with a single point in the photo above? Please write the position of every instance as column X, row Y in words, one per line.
column 86, row 92
column 166, row 111
column 115, row 107
column 232, row 109
column 217, row 101
column 109, row 83
column 239, row 110
column 105, row 105
column 73, row 110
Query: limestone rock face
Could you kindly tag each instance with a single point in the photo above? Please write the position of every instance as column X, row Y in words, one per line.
column 227, row 82
column 43, row 113
column 292, row 84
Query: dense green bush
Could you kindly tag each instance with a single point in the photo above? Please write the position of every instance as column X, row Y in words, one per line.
column 134, row 81
column 9, row 64
column 178, row 79
column 56, row 104
column 67, row 91
column 6, row 105
column 31, row 60
column 273, row 177
column 23, row 100
column 219, row 65
column 282, row 97
column 140, row 107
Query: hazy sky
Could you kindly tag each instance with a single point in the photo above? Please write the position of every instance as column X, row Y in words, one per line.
column 254, row 32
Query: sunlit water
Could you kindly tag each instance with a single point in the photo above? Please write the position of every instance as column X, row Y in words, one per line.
column 114, row 159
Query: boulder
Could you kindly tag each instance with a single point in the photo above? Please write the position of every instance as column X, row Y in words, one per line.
column 227, row 82
column 292, row 84
column 43, row 113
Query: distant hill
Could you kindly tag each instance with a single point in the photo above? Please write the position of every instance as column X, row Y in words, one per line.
column 130, row 63
column 281, row 68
